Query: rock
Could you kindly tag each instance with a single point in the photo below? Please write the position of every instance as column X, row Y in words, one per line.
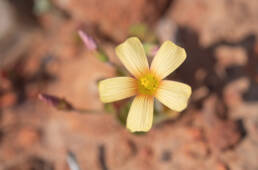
column 232, row 93
column 221, row 134
column 8, row 99
column 114, row 17
column 200, row 93
column 26, row 137
column 244, row 156
column 221, row 166
column 7, row 19
column 216, row 20
column 166, row 29
column 228, row 56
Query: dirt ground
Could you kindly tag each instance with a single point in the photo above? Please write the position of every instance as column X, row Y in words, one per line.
column 41, row 52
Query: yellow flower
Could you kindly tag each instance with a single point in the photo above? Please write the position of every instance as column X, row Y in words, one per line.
column 147, row 82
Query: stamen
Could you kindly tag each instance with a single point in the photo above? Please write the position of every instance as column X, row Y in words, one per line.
column 148, row 84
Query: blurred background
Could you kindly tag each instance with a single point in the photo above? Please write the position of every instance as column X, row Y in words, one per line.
column 41, row 52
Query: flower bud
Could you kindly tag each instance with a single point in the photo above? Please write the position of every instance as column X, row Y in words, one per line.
column 58, row 103
column 87, row 40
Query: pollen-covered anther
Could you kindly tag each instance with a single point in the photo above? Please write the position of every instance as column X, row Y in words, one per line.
column 148, row 84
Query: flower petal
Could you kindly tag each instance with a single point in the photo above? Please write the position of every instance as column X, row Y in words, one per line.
column 117, row 88
column 140, row 115
column 174, row 94
column 132, row 55
column 168, row 58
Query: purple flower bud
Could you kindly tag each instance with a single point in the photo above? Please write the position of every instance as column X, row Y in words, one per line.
column 88, row 40
column 56, row 102
column 154, row 50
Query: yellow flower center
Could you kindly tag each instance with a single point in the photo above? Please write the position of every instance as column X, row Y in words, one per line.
column 148, row 84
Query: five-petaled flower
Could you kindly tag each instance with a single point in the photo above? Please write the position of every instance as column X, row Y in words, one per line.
column 147, row 82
